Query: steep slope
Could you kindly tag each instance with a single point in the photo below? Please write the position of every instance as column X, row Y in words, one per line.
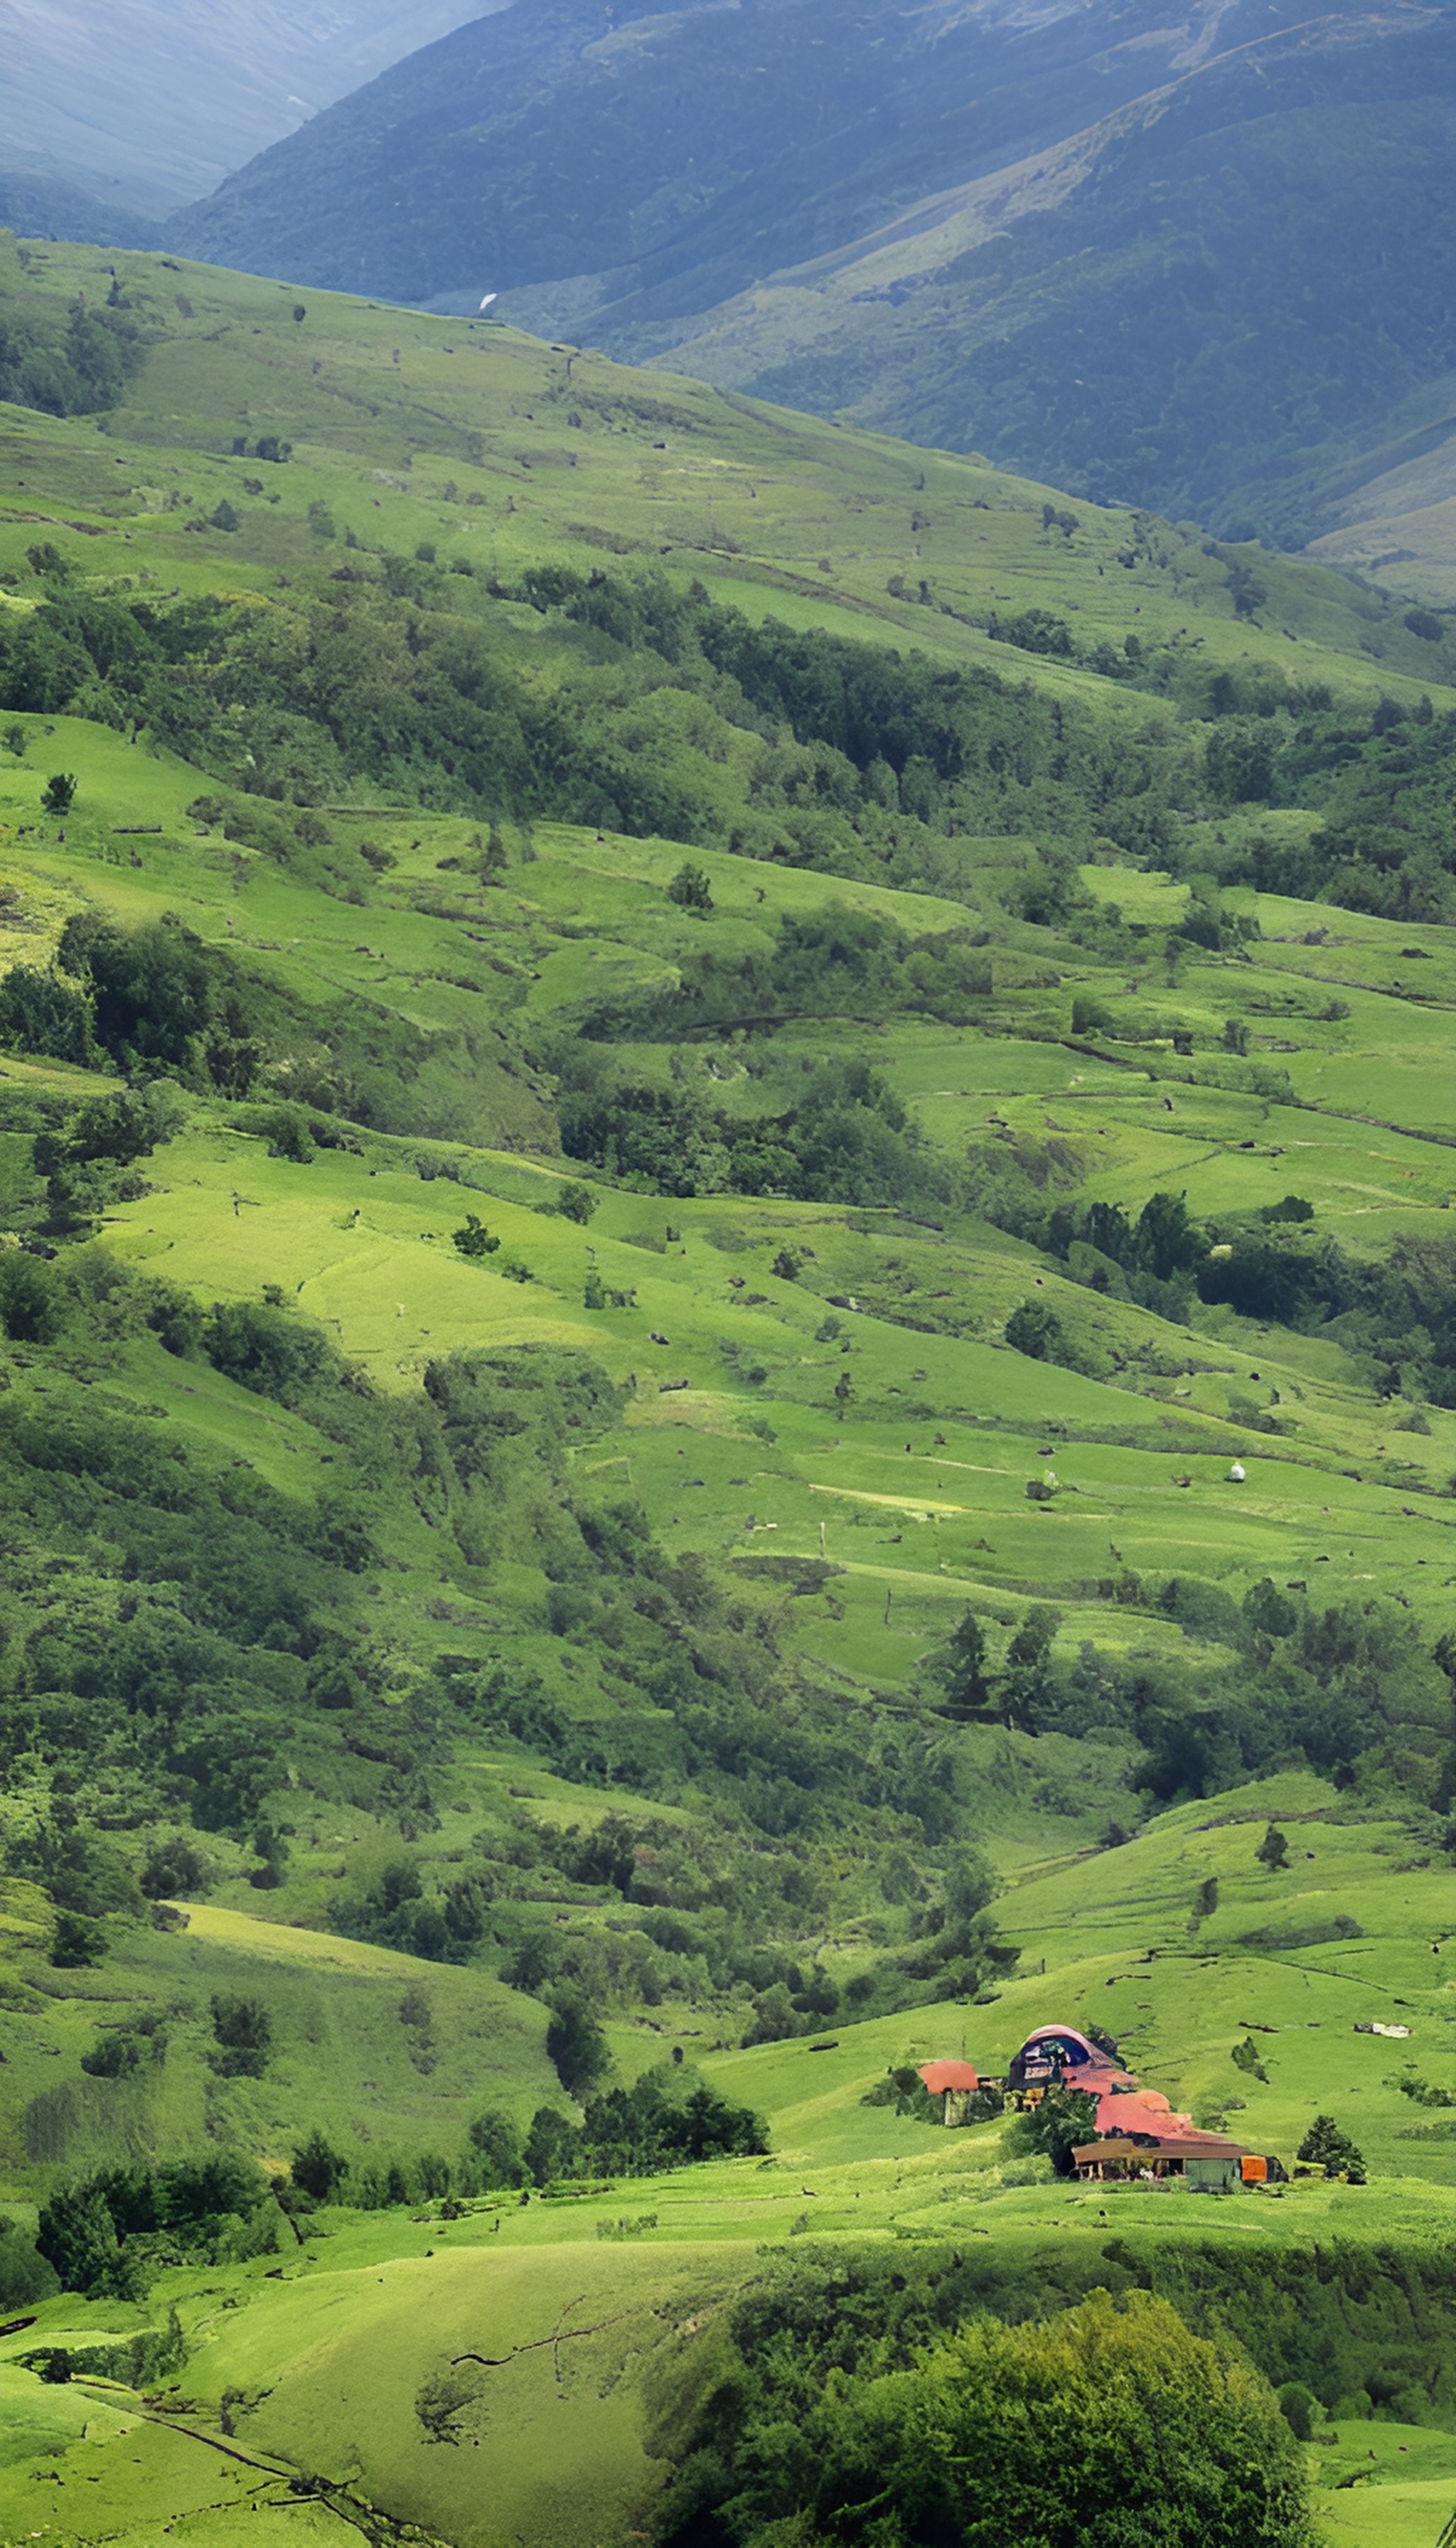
column 1195, row 265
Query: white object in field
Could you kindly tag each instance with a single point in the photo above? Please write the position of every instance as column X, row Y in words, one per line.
column 1236, row 1474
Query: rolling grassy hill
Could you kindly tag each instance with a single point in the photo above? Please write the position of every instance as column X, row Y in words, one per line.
column 322, row 2359
column 468, row 1640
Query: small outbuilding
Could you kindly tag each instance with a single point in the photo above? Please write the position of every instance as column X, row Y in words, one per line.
column 940, row 2075
column 955, row 2083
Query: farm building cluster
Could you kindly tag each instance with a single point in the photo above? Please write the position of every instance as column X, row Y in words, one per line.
column 1139, row 2137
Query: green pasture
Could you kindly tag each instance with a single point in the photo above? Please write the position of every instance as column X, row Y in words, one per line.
column 343, row 2057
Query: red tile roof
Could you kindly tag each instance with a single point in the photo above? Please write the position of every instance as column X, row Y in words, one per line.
column 940, row 2075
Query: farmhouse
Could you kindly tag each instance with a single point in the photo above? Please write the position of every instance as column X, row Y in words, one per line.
column 1139, row 2138
column 1059, row 2056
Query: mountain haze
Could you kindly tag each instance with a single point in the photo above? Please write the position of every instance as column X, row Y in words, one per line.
column 144, row 102
column 1200, row 260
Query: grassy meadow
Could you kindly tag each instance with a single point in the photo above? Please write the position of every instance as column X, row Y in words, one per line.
column 809, row 1405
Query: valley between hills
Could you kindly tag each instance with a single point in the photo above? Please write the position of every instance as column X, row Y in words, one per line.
column 729, row 1362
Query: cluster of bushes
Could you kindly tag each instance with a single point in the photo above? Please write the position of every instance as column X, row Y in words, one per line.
column 1396, row 1314
column 854, row 2380
column 236, row 1660
column 109, row 2235
column 847, row 1138
column 834, row 962
column 666, row 2118
column 833, row 754
column 804, row 2404
column 72, row 369
column 1326, row 2146
column 154, row 1002
column 1346, row 1690
column 1382, row 784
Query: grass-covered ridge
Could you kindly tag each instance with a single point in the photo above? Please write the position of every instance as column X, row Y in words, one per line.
column 768, row 1420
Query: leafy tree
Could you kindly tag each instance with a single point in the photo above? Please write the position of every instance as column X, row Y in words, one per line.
column 43, row 1013
column 1273, row 1849
column 775, row 2019
column 245, row 2036
column 77, row 2238
column 1091, row 1017
column 60, row 794
column 690, row 888
column 1109, row 2421
column 76, row 1942
column 1112, row 2422
column 1240, row 759
column 963, row 1672
column 495, row 2151
column 551, row 2144
column 1064, row 2120
column 25, row 2274
column 1169, row 1240
column 1036, row 1330
column 576, row 2044
column 1026, row 1692
column 316, row 2169
column 1299, row 2407
column 31, row 1311
column 473, row 1240
column 1326, row 2146
column 1270, row 1612
column 115, row 2056
column 576, row 1203
column 173, row 1865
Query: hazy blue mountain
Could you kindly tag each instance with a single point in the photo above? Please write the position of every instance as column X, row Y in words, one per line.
column 40, row 207
column 152, row 101
column 1204, row 259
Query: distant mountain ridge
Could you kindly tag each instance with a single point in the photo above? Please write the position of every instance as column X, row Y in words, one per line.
column 1206, row 264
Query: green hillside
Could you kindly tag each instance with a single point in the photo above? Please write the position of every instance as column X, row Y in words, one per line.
column 728, row 1321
